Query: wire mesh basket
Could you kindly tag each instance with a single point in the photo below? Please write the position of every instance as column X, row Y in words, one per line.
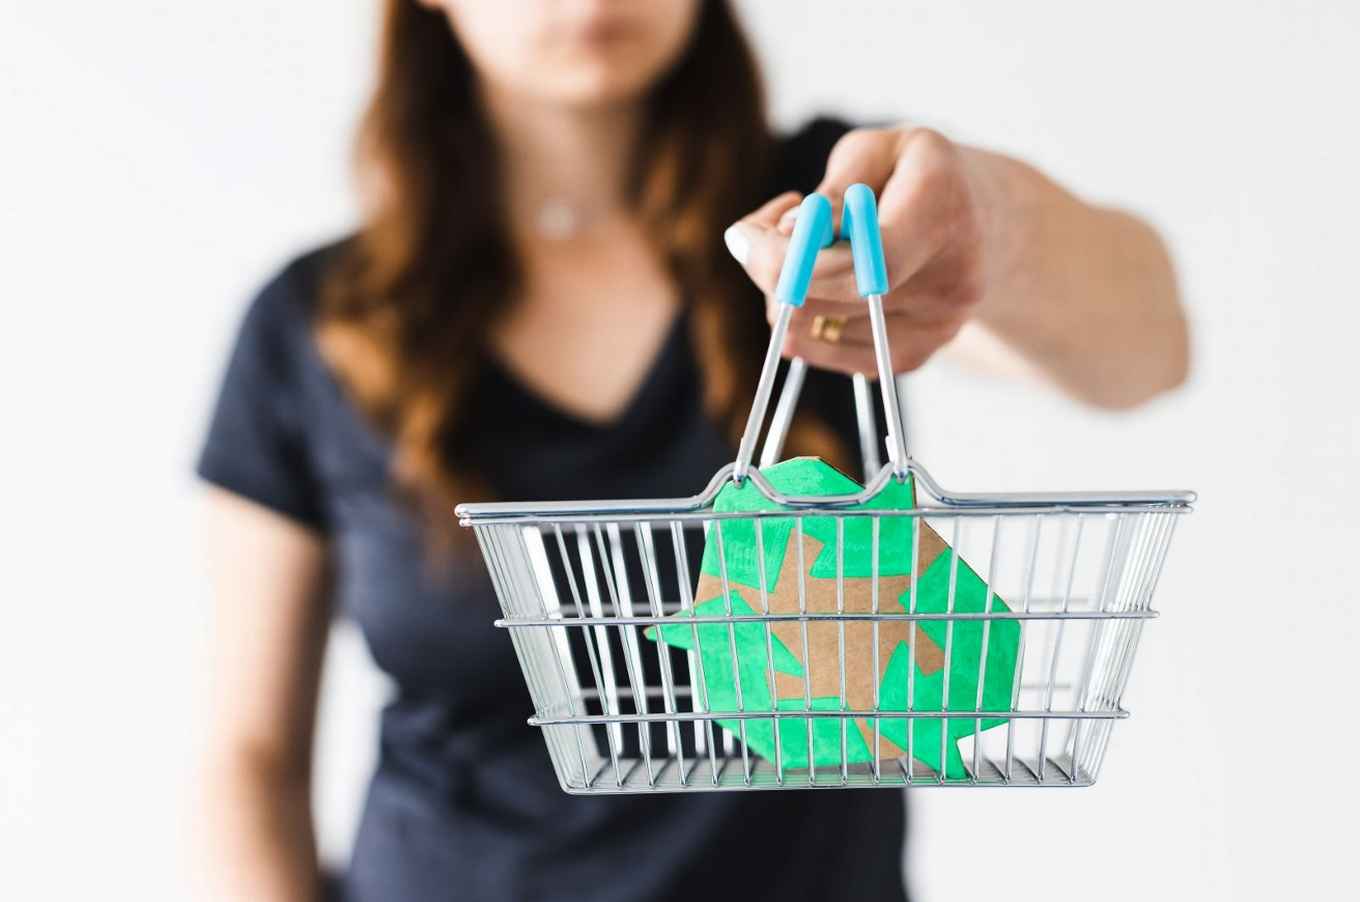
column 1048, row 592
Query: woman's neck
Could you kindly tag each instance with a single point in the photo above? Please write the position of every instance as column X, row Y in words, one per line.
column 557, row 155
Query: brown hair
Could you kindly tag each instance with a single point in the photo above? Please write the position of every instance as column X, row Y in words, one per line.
column 408, row 301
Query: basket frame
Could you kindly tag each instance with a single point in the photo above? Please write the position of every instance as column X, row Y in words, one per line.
column 1138, row 530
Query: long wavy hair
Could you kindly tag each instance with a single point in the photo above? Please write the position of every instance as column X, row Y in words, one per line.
column 409, row 300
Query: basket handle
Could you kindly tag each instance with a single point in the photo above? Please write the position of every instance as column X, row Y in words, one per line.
column 812, row 231
column 859, row 226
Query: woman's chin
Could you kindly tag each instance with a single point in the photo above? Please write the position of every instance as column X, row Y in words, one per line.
column 595, row 86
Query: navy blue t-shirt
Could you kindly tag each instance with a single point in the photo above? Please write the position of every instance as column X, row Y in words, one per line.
column 464, row 803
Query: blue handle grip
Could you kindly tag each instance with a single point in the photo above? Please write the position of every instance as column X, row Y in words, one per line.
column 859, row 224
column 811, row 232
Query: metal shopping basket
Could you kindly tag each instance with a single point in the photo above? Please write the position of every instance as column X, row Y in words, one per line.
column 589, row 588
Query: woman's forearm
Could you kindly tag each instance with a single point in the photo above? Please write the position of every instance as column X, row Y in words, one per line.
column 263, row 846
column 1086, row 295
column 269, row 581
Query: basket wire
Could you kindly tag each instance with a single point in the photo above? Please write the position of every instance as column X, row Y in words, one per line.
column 621, row 712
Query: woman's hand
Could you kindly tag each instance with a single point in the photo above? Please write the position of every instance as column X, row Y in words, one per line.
column 931, row 214
column 1083, row 295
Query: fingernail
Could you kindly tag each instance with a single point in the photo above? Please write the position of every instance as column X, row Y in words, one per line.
column 785, row 224
column 738, row 242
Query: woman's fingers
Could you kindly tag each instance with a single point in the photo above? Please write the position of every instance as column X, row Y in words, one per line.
column 760, row 248
column 760, row 240
column 910, row 343
column 756, row 245
column 923, row 201
column 931, row 238
column 839, row 336
column 924, row 205
column 930, row 235
column 865, row 155
column 767, row 215
column 920, row 305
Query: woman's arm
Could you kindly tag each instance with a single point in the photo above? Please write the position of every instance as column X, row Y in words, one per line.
column 1085, row 296
column 269, row 583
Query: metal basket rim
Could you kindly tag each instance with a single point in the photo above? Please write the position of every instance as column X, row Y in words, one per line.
column 949, row 503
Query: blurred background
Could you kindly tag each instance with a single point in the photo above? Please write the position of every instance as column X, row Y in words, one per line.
column 159, row 160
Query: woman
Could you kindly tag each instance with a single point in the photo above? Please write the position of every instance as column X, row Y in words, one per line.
column 538, row 305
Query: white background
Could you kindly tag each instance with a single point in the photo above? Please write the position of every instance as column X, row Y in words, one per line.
column 158, row 160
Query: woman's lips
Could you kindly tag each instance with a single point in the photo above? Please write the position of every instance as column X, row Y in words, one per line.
column 606, row 33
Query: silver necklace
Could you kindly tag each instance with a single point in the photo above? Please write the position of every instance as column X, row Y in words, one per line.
column 559, row 219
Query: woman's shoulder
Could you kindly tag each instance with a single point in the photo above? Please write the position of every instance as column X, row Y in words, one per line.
column 281, row 311
column 294, row 287
column 257, row 443
column 800, row 155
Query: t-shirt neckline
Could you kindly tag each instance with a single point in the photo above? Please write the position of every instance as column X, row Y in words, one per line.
column 637, row 404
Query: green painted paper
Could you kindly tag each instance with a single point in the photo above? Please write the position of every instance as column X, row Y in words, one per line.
column 811, row 476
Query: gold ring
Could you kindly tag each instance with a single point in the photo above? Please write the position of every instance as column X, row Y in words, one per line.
column 827, row 328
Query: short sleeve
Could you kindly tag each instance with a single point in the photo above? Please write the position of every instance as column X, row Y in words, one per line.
column 256, row 444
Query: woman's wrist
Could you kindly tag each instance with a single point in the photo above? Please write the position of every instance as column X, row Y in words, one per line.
column 1012, row 216
column 1032, row 232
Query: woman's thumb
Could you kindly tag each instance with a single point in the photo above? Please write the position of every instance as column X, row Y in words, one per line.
column 760, row 251
column 754, row 242
column 739, row 237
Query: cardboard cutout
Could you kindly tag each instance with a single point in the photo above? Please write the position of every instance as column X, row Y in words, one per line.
column 812, row 671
